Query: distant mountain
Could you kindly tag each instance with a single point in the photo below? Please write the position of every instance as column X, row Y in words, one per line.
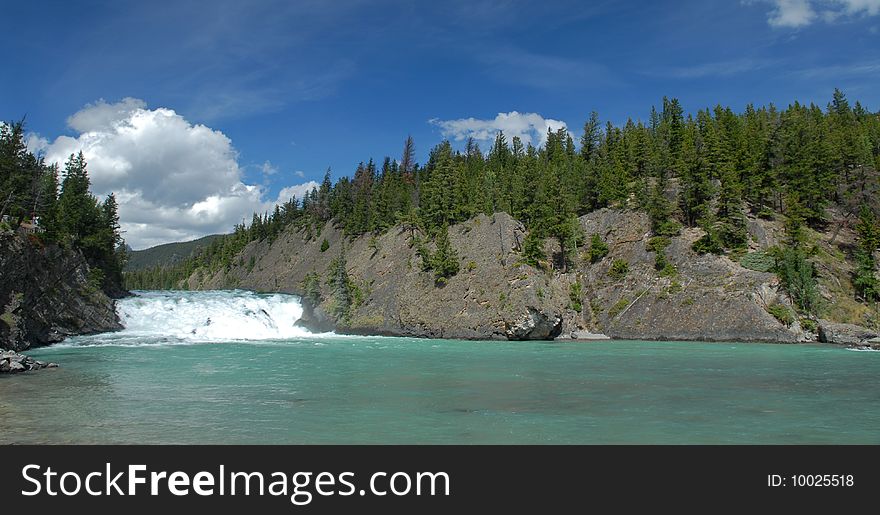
column 167, row 254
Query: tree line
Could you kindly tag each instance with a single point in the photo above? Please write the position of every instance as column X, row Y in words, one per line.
column 709, row 170
column 65, row 213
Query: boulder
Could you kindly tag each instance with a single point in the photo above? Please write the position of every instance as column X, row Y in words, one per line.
column 844, row 334
column 535, row 325
column 314, row 319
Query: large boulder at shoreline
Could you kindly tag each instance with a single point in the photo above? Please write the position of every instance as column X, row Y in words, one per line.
column 845, row 334
column 535, row 325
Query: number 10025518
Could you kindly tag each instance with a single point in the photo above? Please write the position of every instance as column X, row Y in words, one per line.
column 808, row 480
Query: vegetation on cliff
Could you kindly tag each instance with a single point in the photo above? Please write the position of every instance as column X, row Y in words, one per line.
column 69, row 216
column 707, row 171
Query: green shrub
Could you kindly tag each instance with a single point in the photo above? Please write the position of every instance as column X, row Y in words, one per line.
column 619, row 269
column 575, row 293
column 798, row 275
column 618, row 307
column 598, row 249
column 758, row 261
column 311, row 286
column 658, row 243
column 809, row 324
column 708, row 244
column 781, row 313
column 325, row 245
column 533, row 250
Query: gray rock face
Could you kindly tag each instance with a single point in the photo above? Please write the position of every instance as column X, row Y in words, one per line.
column 497, row 297
column 13, row 363
column 845, row 334
column 314, row 319
column 710, row 298
column 535, row 325
column 45, row 295
column 490, row 294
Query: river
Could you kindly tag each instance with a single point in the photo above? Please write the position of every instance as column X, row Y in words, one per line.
column 231, row 368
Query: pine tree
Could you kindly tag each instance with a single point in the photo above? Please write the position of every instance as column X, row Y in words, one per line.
column 78, row 209
column 865, row 275
column 340, row 286
column 533, row 250
column 438, row 203
column 444, row 261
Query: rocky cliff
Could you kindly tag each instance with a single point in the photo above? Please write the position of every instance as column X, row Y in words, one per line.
column 48, row 293
column 496, row 296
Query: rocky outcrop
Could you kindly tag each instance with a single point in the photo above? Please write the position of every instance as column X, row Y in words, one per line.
column 48, row 293
column 12, row 363
column 535, row 325
column 846, row 334
column 492, row 297
column 497, row 297
column 314, row 319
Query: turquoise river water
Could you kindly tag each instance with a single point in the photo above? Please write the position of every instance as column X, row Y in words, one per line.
column 229, row 367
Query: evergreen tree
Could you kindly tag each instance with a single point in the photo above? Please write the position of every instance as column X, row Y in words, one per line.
column 78, row 209
column 340, row 286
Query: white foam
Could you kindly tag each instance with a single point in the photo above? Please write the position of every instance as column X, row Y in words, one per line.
column 211, row 316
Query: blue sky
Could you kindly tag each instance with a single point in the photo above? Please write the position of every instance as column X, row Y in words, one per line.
column 291, row 88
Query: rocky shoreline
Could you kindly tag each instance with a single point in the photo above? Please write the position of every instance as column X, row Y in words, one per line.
column 47, row 293
column 12, row 362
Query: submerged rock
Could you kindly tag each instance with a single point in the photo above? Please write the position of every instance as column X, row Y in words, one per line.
column 12, row 363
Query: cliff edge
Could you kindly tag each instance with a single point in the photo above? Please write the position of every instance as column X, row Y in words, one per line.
column 48, row 293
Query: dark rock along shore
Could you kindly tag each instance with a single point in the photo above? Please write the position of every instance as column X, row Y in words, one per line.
column 45, row 296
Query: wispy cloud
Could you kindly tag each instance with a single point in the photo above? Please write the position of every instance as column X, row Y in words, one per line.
column 801, row 13
column 546, row 72
column 840, row 71
column 714, row 69
column 235, row 59
column 791, row 13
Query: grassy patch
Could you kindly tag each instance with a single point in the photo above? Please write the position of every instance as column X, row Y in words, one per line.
column 618, row 306
column 781, row 313
column 758, row 261
column 619, row 269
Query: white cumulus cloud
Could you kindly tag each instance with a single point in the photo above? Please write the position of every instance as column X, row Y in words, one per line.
column 296, row 191
column 529, row 127
column 174, row 180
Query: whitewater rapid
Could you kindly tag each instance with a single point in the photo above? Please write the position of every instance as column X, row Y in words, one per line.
column 152, row 317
